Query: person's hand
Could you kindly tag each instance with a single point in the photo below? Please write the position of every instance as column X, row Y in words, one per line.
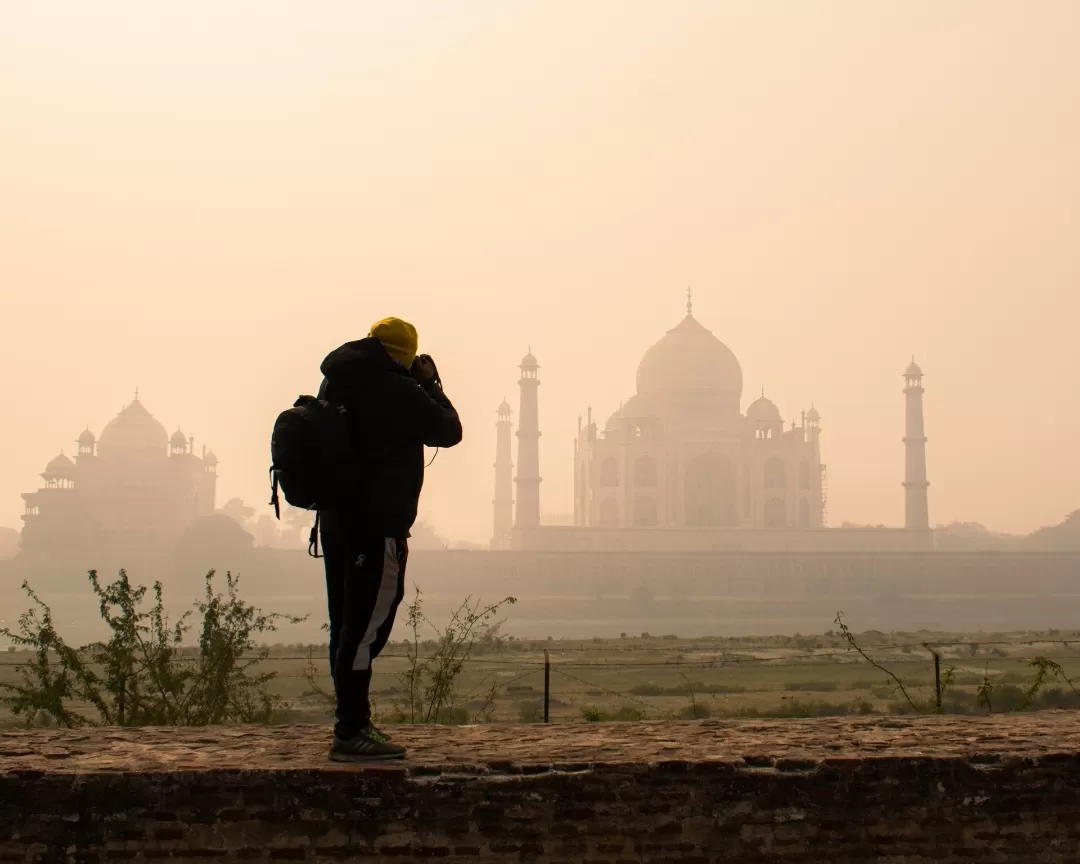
column 423, row 369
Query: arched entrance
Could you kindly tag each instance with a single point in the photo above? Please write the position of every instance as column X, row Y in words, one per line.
column 775, row 513
column 709, row 491
column 645, row 471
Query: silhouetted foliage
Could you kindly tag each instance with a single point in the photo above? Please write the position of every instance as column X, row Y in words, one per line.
column 1064, row 536
column 434, row 666
column 143, row 675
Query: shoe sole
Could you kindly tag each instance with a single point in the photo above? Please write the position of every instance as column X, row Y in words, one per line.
column 365, row 757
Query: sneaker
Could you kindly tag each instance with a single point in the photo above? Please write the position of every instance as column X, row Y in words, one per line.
column 369, row 745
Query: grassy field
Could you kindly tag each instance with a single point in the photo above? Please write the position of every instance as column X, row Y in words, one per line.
column 656, row 678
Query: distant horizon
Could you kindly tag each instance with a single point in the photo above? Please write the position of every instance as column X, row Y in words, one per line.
column 138, row 394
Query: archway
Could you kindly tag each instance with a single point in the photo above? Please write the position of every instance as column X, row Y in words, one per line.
column 775, row 513
column 709, row 491
column 775, row 477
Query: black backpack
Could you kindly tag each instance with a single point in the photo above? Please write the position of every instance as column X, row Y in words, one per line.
column 313, row 459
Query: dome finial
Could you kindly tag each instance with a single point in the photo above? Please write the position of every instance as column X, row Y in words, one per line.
column 689, row 301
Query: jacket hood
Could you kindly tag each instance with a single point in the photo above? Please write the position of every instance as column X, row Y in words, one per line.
column 364, row 356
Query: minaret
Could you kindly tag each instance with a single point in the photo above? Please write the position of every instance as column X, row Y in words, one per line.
column 812, row 424
column 528, row 435
column 916, row 511
column 504, row 481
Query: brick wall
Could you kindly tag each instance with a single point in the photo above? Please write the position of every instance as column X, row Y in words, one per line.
column 942, row 790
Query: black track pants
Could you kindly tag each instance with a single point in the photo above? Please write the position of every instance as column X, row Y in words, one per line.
column 365, row 581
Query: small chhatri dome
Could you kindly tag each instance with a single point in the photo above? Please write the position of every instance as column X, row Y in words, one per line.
column 210, row 458
column 529, row 361
column 60, row 466
column 813, row 414
column 913, row 370
column 133, row 433
column 178, row 440
column 87, row 438
column 763, row 410
column 504, row 408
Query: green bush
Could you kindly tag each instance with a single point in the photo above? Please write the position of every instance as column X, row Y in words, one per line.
column 143, row 675
column 621, row 715
column 530, row 712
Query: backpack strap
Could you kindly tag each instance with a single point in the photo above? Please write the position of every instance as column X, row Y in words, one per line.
column 274, row 499
column 313, row 540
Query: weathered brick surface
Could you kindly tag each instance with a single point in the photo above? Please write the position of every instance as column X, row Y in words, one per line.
column 893, row 791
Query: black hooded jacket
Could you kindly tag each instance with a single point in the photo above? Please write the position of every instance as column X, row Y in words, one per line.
column 393, row 418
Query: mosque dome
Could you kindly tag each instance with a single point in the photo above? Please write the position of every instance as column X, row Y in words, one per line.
column 763, row 410
column 635, row 408
column 59, row 466
column 133, row 433
column 690, row 359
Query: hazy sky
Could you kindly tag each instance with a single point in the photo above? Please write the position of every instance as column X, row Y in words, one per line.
column 203, row 198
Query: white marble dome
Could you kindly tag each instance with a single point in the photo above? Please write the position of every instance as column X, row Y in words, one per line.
column 133, row 433
column 690, row 359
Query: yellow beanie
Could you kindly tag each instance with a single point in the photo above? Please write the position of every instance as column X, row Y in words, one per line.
column 398, row 338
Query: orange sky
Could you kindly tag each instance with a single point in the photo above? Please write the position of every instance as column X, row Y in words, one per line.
column 201, row 199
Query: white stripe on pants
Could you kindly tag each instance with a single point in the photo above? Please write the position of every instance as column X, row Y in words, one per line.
column 384, row 603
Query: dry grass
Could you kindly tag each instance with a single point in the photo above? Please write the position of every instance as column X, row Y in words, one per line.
column 657, row 677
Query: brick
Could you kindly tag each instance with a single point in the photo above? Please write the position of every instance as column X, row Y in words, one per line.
column 894, row 789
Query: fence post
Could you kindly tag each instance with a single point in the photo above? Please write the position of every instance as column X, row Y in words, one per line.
column 547, row 684
column 937, row 677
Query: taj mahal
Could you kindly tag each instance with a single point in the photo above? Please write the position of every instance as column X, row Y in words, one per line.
column 681, row 467
column 134, row 488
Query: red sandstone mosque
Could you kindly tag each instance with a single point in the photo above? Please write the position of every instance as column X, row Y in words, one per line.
column 680, row 467
column 135, row 487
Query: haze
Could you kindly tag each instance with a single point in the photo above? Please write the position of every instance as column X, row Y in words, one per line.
column 201, row 199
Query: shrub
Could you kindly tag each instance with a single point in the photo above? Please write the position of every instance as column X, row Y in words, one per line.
column 530, row 712
column 622, row 715
column 430, row 681
column 142, row 675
